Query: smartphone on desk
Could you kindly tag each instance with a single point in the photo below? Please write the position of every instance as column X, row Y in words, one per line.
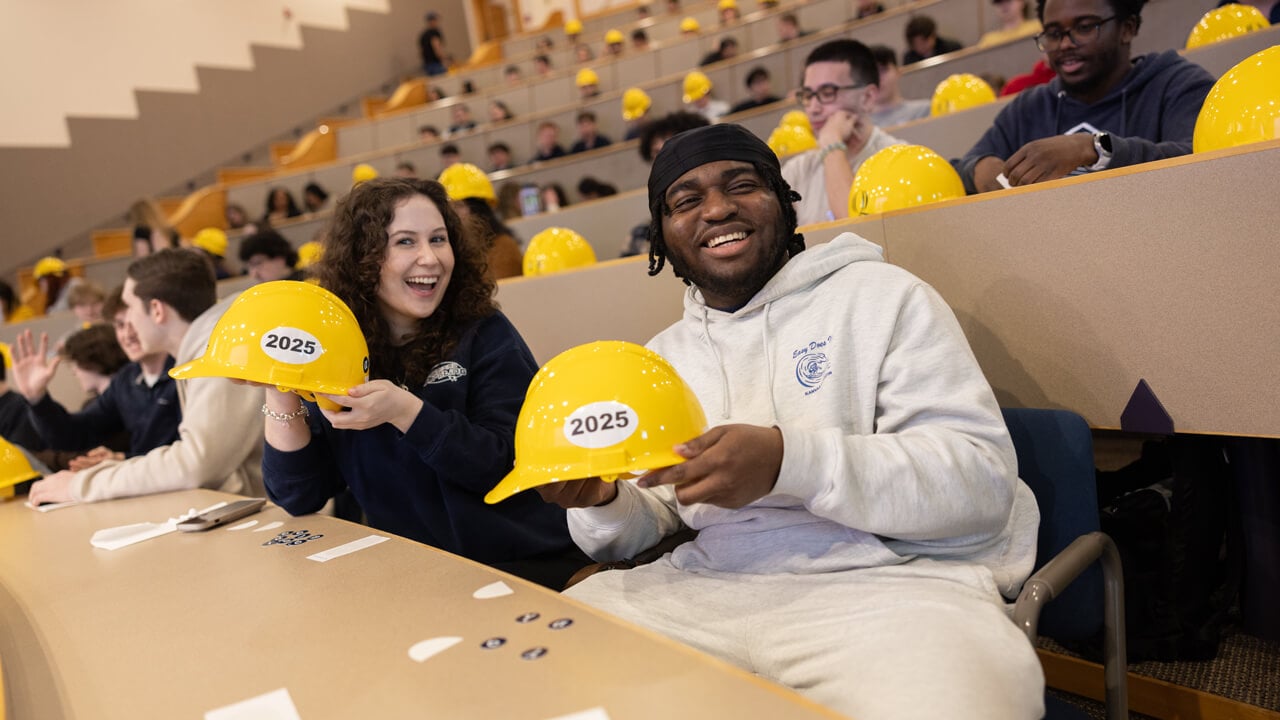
column 223, row 515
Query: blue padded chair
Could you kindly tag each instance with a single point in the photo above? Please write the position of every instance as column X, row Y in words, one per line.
column 1055, row 459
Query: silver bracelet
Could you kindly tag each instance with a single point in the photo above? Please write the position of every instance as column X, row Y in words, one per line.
column 828, row 149
column 285, row 418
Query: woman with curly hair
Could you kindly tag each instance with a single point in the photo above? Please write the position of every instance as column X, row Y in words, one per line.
column 433, row 430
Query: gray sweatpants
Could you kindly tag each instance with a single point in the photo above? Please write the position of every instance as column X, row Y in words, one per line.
column 920, row 640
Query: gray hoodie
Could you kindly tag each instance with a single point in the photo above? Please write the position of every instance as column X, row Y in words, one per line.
column 894, row 447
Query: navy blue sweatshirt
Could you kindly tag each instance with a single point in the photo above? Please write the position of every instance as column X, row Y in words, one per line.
column 429, row 484
column 150, row 414
column 1150, row 115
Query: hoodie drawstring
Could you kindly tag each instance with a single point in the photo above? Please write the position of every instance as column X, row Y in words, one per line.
column 768, row 364
column 724, row 378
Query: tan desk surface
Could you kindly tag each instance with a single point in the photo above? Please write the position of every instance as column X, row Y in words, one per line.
column 185, row 623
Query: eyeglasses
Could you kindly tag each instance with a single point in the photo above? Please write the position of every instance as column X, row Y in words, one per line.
column 826, row 94
column 1082, row 33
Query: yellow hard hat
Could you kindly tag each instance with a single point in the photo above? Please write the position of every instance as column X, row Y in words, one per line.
column 14, row 467
column 309, row 254
column 635, row 103
column 902, row 176
column 727, row 5
column 587, row 76
column 797, row 118
column 1226, row 22
column 294, row 335
column 614, row 37
column 1243, row 106
column 689, row 25
column 787, row 140
column 49, row 266
column 555, row 250
column 696, row 86
column 362, row 173
column 960, row 92
column 212, row 241
column 573, row 27
column 600, row 410
column 6, row 356
column 464, row 180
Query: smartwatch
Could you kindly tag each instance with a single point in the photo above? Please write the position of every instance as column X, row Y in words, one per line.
column 1102, row 146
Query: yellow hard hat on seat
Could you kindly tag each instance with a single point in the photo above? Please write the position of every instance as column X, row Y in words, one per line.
column 689, row 25
column 696, row 86
column 797, row 118
column 212, row 241
column 586, row 76
column 573, row 27
column 49, row 266
column 635, row 103
column 788, row 140
column 902, row 176
column 1243, row 106
column 362, row 173
column 6, row 356
column 960, row 92
column 600, row 410
column 464, row 180
column 294, row 335
column 614, row 37
column 555, row 250
column 14, row 468
column 1226, row 22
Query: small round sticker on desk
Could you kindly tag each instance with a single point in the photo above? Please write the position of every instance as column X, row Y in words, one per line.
column 493, row 642
column 533, row 653
column 291, row 345
column 560, row 624
column 600, row 424
column 528, row 617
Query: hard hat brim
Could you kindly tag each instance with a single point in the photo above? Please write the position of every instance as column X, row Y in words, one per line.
column 527, row 478
column 201, row 368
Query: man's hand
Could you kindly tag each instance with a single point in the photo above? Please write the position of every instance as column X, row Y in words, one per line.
column 55, row 488
column 729, row 466
column 372, row 404
column 1050, row 158
column 579, row 493
column 985, row 172
column 846, row 127
column 93, row 457
column 32, row 371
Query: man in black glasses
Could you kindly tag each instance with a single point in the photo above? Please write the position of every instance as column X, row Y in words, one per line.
column 1104, row 109
column 840, row 87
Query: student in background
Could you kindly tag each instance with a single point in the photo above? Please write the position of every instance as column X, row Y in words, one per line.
column 431, row 46
column 891, row 108
column 1014, row 23
column 280, row 206
column 405, row 169
column 759, row 91
column 474, row 201
column 923, row 41
column 434, row 428
column 314, row 197
column 151, row 230
column 867, row 8
column 589, row 137
column 500, row 157
column 268, row 256
column 547, row 142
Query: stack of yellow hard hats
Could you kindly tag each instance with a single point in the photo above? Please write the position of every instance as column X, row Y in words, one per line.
column 294, row 335
column 1243, row 106
column 464, row 180
column 1225, row 23
column 557, row 249
column 902, row 176
column 960, row 92
column 602, row 410
column 788, row 140
column 635, row 103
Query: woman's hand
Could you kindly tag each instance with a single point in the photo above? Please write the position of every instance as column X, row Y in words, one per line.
column 372, row 404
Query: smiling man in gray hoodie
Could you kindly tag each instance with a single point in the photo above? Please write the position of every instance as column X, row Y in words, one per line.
column 1103, row 110
column 857, row 499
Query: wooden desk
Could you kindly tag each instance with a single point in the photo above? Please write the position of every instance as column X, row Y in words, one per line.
column 185, row 623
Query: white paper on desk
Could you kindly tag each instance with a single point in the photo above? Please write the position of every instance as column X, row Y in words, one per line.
column 52, row 506
column 275, row 705
column 124, row 535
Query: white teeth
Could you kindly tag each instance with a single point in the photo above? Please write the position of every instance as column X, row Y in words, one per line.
column 422, row 281
column 718, row 241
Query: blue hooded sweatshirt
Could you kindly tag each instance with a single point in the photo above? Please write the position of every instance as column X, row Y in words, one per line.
column 1150, row 115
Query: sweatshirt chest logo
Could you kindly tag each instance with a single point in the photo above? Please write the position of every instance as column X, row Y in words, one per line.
column 1083, row 127
column 445, row 372
column 813, row 364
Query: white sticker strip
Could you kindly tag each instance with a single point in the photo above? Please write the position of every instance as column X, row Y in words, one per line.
column 492, row 590
column 353, row 546
column 243, row 525
column 270, row 526
column 52, row 506
column 275, row 705
column 595, row 713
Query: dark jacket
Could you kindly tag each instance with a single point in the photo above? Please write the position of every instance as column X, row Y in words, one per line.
column 149, row 414
column 599, row 142
column 15, row 425
column 1150, row 115
column 941, row 47
column 429, row 484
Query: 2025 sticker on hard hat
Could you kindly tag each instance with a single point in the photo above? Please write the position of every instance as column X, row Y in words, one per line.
column 291, row 345
column 600, row 424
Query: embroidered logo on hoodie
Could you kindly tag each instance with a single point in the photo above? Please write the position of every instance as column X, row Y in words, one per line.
column 812, row 365
column 445, row 372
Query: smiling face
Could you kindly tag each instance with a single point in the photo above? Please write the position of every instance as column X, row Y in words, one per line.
column 140, row 320
column 1090, row 69
column 858, row 101
column 723, row 231
column 126, row 336
column 416, row 270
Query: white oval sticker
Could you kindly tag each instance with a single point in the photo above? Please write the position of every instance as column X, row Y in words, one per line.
column 600, row 424
column 291, row 345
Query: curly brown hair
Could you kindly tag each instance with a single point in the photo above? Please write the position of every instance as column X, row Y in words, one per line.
column 351, row 266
